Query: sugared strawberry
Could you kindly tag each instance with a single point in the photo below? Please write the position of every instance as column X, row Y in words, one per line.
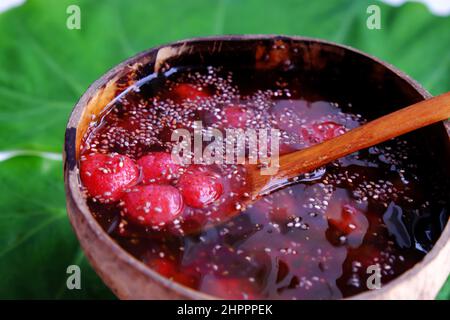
column 107, row 176
column 153, row 205
column 322, row 131
column 200, row 187
column 189, row 91
column 158, row 167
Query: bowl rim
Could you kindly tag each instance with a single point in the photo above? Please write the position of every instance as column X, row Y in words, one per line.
column 73, row 192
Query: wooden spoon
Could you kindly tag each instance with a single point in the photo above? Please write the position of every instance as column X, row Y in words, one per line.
column 382, row 129
column 294, row 164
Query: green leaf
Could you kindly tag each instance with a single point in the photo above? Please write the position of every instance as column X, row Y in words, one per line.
column 445, row 292
column 45, row 67
column 37, row 242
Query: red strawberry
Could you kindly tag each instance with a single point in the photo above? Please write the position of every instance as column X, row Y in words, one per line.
column 322, row 131
column 153, row 205
column 184, row 91
column 107, row 176
column 200, row 187
column 158, row 167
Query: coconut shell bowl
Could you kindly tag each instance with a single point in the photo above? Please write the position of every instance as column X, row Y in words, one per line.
column 328, row 72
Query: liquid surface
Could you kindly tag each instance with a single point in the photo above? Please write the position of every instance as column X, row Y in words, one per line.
column 314, row 239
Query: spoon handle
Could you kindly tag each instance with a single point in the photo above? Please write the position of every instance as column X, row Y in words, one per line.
column 389, row 126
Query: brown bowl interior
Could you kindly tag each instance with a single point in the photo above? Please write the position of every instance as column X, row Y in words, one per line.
column 335, row 72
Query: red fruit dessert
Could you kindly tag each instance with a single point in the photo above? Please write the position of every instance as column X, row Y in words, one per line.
column 153, row 205
column 158, row 167
column 107, row 176
column 200, row 187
